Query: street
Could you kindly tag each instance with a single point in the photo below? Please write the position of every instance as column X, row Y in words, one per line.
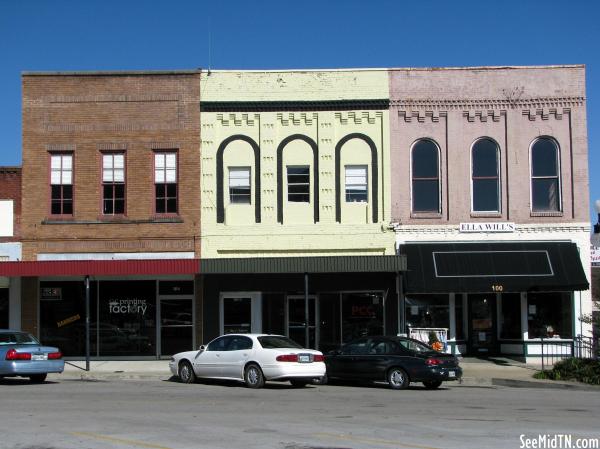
column 74, row 414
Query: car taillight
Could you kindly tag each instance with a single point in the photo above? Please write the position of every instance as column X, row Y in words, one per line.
column 433, row 362
column 12, row 354
column 54, row 355
column 318, row 358
column 287, row 358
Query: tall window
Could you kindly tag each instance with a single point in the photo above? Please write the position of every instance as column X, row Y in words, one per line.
column 425, row 177
column 356, row 184
column 61, row 183
column 485, row 176
column 165, row 182
column 239, row 185
column 545, row 181
column 298, row 181
column 113, row 184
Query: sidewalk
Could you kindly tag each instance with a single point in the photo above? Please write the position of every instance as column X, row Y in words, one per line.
column 476, row 373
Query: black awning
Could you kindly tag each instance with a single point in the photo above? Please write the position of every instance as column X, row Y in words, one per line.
column 493, row 267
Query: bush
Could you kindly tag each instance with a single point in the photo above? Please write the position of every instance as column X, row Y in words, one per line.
column 582, row 370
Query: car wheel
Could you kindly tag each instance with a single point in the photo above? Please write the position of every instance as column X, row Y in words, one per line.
column 38, row 378
column 253, row 376
column 298, row 383
column 397, row 379
column 186, row 373
column 432, row 384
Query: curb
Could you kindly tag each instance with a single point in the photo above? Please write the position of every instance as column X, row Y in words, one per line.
column 556, row 385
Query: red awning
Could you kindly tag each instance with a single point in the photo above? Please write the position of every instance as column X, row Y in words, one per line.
column 99, row 267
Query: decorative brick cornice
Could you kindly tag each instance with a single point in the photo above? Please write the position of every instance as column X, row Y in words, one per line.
column 545, row 113
column 296, row 118
column 483, row 116
column 293, row 105
column 357, row 118
column 421, row 115
column 487, row 103
column 237, row 119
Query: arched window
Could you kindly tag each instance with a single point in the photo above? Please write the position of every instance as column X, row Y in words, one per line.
column 545, row 176
column 425, row 177
column 485, row 176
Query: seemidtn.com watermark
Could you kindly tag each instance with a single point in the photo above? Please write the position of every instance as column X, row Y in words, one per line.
column 558, row 441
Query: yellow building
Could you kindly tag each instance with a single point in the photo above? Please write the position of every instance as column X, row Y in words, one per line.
column 295, row 181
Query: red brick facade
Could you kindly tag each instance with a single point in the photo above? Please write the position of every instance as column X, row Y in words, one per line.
column 87, row 115
column 10, row 189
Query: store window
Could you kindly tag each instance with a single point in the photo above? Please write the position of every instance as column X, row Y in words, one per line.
column 237, row 315
column 550, row 315
column 427, row 311
column 510, row 316
column 127, row 318
column 425, row 177
column 485, row 176
column 113, row 184
column 459, row 317
column 273, row 313
column 61, row 184
column 165, row 183
column 4, row 300
column 545, row 176
column 356, row 184
column 362, row 315
column 62, row 316
column 298, row 184
column 239, row 185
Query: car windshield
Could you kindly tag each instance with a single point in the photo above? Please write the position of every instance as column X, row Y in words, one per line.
column 17, row 338
column 277, row 341
column 415, row 346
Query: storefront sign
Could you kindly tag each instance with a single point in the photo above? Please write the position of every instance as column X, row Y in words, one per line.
column 487, row 227
column 69, row 320
column 128, row 306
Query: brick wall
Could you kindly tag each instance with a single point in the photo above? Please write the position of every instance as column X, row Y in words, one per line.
column 511, row 105
column 10, row 189
column 88, row 113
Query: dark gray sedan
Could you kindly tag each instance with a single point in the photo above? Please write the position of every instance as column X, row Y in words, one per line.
column 22, row 355
column 397, row 360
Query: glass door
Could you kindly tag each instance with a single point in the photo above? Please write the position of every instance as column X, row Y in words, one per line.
column 296, row 320
column 482, row 324
column 176, row 326
column 241, row 313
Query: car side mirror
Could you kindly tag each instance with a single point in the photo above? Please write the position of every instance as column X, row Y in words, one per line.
column 201, row 348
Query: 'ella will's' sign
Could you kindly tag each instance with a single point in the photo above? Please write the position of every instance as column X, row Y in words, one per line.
column 487, row 227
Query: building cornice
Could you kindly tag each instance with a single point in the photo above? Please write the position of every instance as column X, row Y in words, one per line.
column 487, row 103
column 294, row 105
column 519, row 228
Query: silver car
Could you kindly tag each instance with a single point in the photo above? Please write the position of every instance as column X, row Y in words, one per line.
column 22, row 355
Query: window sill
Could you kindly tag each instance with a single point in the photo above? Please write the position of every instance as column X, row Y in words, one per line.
column 486, row 214
column 425, row 215
column 547, row 214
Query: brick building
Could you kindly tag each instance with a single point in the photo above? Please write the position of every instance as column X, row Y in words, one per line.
column 110, row 192
column 10, row 245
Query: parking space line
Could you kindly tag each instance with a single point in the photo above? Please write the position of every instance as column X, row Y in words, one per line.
column 118, row 440
column 371, row 441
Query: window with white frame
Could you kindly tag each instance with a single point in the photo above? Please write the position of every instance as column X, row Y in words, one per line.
column 298, row 183
column 239, row 185
column 113, row 183
column 165, row 182
column 425, row 177
column 545, row 176
column 356, row 184
column 61, row 184
column 485, row 176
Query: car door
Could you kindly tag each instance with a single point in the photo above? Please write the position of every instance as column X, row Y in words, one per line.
column 373, row 363
column 235, row 357
column 344, row 362
column 209, row 363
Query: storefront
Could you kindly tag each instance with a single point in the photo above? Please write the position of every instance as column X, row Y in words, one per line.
column 137, row 308
column 320, row 302
column 494, row 298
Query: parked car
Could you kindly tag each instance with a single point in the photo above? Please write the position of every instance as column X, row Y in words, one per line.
column 252, row 359
column 22, row 355
column 397, row 360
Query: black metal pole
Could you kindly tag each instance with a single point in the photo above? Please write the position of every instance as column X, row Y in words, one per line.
column 87, row 323
column 306, row 312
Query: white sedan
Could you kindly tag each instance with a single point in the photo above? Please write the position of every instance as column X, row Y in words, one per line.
column 252, row 359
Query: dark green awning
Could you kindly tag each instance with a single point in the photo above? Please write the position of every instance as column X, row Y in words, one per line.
column 326, row 264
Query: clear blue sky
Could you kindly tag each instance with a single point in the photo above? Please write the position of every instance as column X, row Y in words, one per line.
column 246, row 34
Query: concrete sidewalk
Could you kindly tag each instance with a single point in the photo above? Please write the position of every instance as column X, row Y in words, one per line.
column 476, row 372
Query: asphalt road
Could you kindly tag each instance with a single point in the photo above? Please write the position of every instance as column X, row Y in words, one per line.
column 76, row 414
